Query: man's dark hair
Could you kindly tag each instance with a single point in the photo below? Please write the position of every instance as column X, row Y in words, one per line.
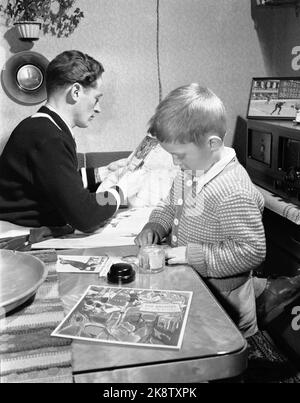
column 72, row 66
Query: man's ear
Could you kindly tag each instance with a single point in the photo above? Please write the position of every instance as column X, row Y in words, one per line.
column 215, row 142
column 75, row 91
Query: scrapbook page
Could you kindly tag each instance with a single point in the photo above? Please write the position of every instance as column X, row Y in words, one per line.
column 150, row 171
column 130, row 316
column 134, row 163
column 120, row 230
column 137, row 158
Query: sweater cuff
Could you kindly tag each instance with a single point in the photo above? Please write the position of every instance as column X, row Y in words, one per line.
column 196, row 258
column 158, row 228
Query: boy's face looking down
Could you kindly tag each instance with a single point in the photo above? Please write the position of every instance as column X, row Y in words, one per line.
column 191, row 156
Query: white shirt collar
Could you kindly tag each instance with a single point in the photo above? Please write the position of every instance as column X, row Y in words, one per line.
column 229, row 155
column 66, row 123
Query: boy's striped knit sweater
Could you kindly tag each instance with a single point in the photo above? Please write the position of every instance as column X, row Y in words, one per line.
column 221, row 225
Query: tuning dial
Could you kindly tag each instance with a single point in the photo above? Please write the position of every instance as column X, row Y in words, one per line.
column 292, row 180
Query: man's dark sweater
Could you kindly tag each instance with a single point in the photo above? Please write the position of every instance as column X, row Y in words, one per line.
column 39, row 181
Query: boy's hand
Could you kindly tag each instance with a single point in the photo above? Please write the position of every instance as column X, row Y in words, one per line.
column 147, row 237
column 176, row 255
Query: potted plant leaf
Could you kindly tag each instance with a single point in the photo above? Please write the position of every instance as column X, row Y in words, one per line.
column 56, row 16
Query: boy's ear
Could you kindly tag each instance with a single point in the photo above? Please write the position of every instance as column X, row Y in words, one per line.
column 215, row 142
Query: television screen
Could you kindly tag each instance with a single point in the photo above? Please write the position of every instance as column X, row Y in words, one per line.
column 274, row 98
column 260, row 146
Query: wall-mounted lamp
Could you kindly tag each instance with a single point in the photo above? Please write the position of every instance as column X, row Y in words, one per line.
column 23, row 78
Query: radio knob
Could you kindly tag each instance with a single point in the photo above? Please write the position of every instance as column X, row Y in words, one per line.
column 292, row 180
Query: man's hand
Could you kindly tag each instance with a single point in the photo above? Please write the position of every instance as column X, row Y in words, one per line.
column 147, row 237
column 111, row 174
column 176, row 255
column 132, row 182
column 117, row 165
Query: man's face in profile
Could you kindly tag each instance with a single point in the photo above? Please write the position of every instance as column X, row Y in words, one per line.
column 88, row 104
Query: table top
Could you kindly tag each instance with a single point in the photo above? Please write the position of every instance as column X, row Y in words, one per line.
column 212, row 346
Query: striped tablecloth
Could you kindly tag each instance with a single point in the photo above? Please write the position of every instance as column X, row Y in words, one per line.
column 28, row 354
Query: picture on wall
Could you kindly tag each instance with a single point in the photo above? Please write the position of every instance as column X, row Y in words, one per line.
column 274, row 98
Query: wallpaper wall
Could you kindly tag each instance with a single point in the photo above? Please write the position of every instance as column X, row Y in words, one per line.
column 214, row 42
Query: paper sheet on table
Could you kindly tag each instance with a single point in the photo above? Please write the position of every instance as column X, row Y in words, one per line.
column 119, row 231
column 86, row 264
column 8, row 230
column 83, row 264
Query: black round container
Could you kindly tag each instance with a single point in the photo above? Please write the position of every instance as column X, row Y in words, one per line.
column 121, row 273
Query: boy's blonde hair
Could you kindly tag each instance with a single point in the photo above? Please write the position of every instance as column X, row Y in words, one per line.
column 187, row 114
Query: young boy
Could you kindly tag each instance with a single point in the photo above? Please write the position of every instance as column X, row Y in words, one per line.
column 213, row 213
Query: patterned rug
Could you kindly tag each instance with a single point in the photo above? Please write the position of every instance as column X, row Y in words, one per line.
column 28, row 354
column 266, row 364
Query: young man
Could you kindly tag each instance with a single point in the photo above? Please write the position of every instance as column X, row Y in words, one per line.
column 40, row 184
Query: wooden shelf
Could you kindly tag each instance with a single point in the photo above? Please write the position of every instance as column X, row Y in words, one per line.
column 276, row 3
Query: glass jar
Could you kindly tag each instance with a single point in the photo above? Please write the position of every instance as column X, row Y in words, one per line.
column 152, row 258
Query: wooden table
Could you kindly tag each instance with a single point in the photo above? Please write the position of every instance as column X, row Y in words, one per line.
column 212, row 348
